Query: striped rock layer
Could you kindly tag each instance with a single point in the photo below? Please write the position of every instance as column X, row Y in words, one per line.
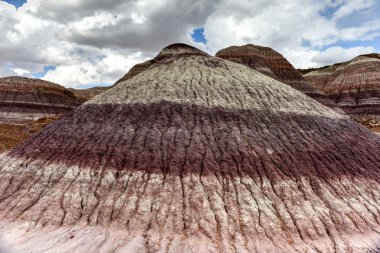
column 273, row 64
column 85, row 94
column 195, row 154
column 353, row 85
column 24, row 99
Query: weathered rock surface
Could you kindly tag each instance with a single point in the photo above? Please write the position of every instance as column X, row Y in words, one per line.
column 273, row 64
column 198, row 154
column 24, row 99
column 86, row 94
column 353, row 85
column 135, row 70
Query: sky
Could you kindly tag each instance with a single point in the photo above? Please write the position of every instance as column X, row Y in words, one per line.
column 86, row 43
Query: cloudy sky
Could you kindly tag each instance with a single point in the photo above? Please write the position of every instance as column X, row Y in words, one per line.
column 84, row 43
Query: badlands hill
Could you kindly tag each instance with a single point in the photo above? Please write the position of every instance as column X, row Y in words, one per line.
column 353, row 85
column 27, row 105
column 85, row 94
column 194, row 154
column 24, row 99
column 273, row 64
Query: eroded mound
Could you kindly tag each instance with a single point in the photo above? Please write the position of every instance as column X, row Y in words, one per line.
column 86, row 94
column 353, row 85
column 273, row 64
column 24, row 99
column 195, row 154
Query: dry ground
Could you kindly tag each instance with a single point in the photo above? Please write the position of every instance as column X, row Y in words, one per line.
column 13, row 134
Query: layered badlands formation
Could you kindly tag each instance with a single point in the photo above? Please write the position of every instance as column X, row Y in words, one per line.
column 353, row 85
column 195, row 154
column 24, row 99
column 85, row 94
column 273, row 64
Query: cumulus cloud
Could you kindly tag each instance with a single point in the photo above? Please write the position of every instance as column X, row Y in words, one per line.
column 287, row 25
column 97, row 71
column 348, row 7
column 142, row 25
column 339, row 54
column 96, row 41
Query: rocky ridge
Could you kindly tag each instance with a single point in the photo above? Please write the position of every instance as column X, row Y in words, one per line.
column 273, row 64
column 353, row 85
column 135, row 70
column 24, row 99
column 198, row 154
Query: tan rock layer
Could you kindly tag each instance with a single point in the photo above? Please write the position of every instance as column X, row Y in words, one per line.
column 354, row 85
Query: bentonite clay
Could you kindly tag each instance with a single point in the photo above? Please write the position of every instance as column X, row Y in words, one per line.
column 273, row 64
column 25, row 99
column 194, row 154
column 353, row 85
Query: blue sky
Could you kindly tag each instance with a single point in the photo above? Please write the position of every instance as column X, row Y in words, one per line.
column 43, row 73
column 17, row 3
column 93, row 43
column 198, row 35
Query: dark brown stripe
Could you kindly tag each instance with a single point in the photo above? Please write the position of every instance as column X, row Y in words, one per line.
column 174, row 138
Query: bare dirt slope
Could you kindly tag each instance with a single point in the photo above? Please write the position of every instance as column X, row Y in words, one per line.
column 13, row 134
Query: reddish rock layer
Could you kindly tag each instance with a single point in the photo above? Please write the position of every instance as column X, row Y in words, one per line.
column 24, row 99
column 273, row 64
column 198, row 154
column 353, row 85
column 85, row 94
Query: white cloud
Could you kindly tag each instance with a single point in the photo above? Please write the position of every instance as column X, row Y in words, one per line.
column 348, row 7
column 301, row 58
column 339, row 54
column 99, row 71
column 21, row 71
column 96, row 41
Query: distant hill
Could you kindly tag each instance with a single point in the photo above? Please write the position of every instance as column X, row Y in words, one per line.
column 354, row 85
column 26, row 99
column 273, row 64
